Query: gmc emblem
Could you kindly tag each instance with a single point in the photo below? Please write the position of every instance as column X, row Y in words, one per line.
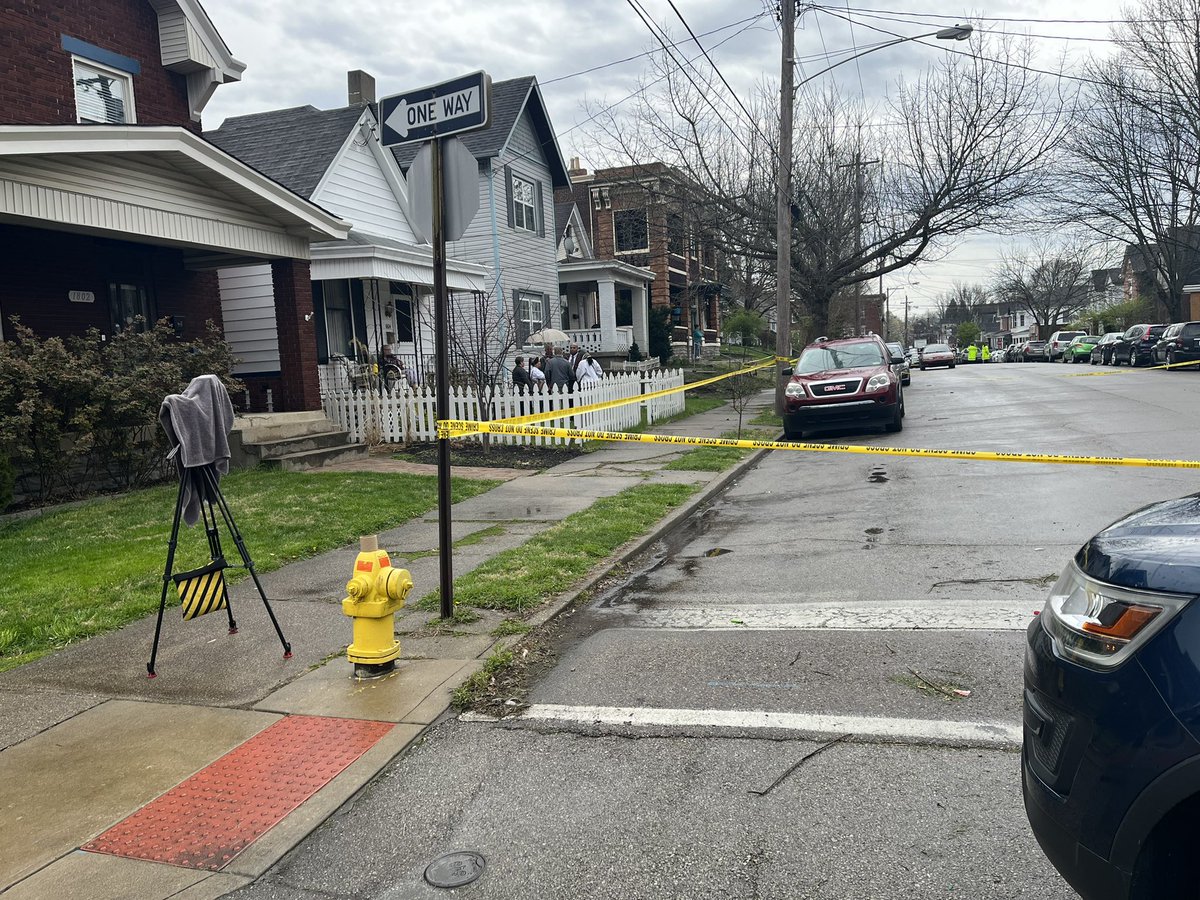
column 830, row 388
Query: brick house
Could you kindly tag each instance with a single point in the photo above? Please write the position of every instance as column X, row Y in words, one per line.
column 636, row 216
column 113, row 206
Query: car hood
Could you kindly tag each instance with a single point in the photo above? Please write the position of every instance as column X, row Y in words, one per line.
column 1156, row 548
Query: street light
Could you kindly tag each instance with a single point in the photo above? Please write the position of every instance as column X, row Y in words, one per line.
column 783, row 197
column 953, row 33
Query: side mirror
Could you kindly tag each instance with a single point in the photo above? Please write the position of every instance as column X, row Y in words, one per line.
column 896, row 360
column 787, row 373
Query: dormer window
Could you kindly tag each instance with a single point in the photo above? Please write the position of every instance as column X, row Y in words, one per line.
column 103, row 96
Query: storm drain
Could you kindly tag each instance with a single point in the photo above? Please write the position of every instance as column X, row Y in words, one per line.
column 455, row 869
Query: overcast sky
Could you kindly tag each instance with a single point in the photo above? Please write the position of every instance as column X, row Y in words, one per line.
column 297, row 52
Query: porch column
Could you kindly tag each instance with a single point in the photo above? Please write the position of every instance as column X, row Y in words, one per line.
column 300, row 387
column 641, row 317
column 608, row 313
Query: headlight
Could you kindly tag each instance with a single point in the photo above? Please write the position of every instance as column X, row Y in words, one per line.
column 794, row 389
column 1098, row 624
column 879, row 382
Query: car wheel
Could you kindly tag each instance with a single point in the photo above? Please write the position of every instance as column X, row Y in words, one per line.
column 792, row 434
column 1116, row 361
column 1165, row 867
column 1170, row 357
column 922, row 367
column 952, row 365
column 897, row 423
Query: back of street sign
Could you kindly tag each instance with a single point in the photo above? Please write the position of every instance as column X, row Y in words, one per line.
column 450, row 107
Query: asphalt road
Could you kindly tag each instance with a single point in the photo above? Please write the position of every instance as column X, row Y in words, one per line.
column 831, row 603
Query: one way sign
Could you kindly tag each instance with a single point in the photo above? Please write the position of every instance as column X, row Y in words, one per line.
column 461, row 104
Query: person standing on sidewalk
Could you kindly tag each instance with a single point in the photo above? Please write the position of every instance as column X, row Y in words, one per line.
column 589, row 371
column 697, row 342
column 558, row 371
column 520, row 377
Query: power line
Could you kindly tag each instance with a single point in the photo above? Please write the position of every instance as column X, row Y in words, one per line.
column 635, row 5
column 753, row 122
column 617, row 62
column 862, row 9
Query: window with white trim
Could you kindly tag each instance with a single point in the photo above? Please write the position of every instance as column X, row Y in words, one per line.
column 524, row 200
column 529, row 312
column 103, row 96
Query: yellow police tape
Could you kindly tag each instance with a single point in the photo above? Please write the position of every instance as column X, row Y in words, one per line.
column 610, row 404
column 452, row 428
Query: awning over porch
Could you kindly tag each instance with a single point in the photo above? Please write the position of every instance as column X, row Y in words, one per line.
column 604, row 276
column 371, row 256
column 154, row 184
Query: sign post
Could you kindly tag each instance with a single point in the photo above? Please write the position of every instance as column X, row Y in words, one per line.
column 432, row 114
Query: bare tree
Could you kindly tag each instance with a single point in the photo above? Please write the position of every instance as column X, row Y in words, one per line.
column 1051, row 282
column 483, row 336
column 967, row 153
column 1133, row 159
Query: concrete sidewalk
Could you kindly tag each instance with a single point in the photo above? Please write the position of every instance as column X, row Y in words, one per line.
column 87, row 740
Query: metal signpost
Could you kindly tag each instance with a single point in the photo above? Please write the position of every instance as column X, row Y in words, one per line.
column 432, row 114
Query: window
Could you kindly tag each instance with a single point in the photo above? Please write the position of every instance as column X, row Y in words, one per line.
column 103, row 96
column 1022, row 320
column 676, row 235
column 524, row 200
column 402, row 303
column 629, row 230
column 128, row 301
column 529, row 311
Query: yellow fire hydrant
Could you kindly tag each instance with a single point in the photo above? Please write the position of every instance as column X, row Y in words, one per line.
column 376, row 591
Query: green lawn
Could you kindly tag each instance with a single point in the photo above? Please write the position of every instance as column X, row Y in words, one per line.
column 90, row 569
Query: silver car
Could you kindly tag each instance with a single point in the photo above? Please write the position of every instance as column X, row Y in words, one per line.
column 901, row 368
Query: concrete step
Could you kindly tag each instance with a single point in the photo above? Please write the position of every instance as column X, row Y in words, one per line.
column 315, row 459
column 257, row 428
column 266, row 450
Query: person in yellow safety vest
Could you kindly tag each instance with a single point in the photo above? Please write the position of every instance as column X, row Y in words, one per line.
column 972, row 353
column 986, row 353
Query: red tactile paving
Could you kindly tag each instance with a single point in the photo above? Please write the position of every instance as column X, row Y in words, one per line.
column 209, row 819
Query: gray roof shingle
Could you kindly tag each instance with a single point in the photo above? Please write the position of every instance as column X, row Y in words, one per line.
column 291, row 146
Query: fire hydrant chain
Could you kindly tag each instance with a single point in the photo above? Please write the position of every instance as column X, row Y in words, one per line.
column 374, row 592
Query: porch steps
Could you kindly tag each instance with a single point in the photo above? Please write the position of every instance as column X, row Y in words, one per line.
column 294, row 442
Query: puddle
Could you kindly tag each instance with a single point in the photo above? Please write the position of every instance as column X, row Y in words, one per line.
column 878, row 476
column 874, row 531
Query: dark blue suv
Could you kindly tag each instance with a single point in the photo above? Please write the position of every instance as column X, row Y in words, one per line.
column 1111, row 760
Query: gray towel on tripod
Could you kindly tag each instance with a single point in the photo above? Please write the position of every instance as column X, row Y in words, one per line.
column 197, row 423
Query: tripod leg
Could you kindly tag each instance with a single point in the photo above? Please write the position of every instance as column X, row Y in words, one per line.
column 162, row 603
column 213, row 485
column 214, row 552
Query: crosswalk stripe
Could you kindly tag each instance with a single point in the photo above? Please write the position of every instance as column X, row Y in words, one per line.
column 981, row 616
column 1001, row 735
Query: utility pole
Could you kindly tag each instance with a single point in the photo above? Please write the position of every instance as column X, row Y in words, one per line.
column 783, row 209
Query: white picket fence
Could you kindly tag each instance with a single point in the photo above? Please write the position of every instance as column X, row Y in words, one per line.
column 409, row 415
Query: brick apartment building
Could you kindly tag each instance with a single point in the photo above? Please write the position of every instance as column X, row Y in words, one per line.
column 634, row 214
column 112, row 206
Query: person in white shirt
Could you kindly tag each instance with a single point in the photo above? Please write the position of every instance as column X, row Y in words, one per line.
column 588, row 371
column 535, row 372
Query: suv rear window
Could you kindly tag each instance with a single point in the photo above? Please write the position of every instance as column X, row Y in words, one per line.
column 1155, row 330
column 937, row 348
column 1191, row 329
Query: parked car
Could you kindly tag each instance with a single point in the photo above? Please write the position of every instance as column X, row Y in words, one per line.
column 1136, row 345
column 901, row 368
column 1058, row 342
column 1102, row 352
column 1080, row 349
column 914, row 356
column 1033, row 351
column 841, row 382
column 1179, row 343
column 1111, row 753
column 937, row 355
column 1016, row 351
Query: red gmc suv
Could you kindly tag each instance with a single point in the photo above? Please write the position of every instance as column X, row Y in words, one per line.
column 842, row 382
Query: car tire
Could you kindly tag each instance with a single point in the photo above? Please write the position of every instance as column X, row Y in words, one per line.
column 1115, row 360
column 952, row 365
column 922, row 367
column 897, row 423
column 792, row 434
column 1170, row 357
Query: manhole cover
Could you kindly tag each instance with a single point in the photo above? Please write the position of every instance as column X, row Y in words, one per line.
column 455, row 869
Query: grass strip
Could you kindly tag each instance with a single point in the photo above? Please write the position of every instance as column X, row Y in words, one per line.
column 526, row 576
column 479, row 683
column 93, row 568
